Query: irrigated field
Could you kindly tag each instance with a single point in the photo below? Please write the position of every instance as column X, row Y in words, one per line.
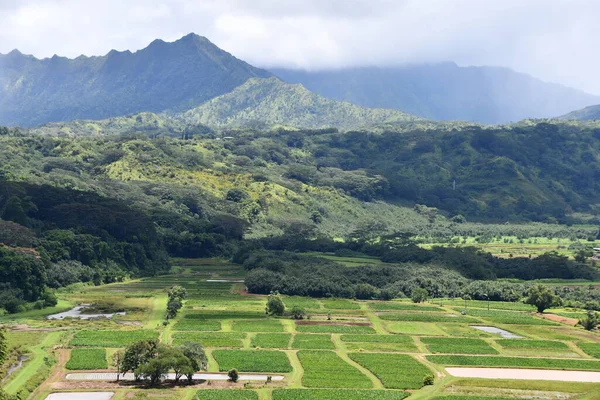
column 342, row 350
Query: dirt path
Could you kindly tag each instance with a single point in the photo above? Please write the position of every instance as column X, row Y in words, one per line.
column 558, row 318
column 62, row 357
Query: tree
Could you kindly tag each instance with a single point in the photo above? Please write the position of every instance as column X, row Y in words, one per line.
column 172, row 309
column 297, row 312
column 419, row 295
column 233, row 375
column 138, row 354
column 275, row 305
column 197, row 357
column 154, row 370
column 177, row 293
column 118, row 362
column 3, row 346
column 542, row 297
column 591, row 321
column 365, row 291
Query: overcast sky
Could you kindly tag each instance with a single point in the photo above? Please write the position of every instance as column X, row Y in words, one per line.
column 555, row 40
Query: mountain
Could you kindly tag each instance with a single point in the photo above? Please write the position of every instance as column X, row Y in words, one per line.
column 445, row 91
column 585, row 114
column 163, row 76
column 273, row 102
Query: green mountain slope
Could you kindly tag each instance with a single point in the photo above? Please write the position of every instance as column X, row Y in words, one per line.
column 272, row 102
column 585, row 114
column 163, row 76
column 445, row 91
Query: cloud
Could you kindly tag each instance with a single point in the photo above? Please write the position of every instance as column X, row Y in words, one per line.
column 551, row 39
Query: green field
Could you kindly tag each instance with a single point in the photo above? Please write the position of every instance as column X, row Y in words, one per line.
column 325, row 369
column 312, row 342
column 379, row 343
column 331, row 328
column 458, row 346
column 515, row 362
column 191, row 324
column 252, row 360
column 258, row 326
column 271, row 340
column 427, row 317
column 111, row 338
column 215, row 394
column 210, row 339
column 508, row 317
column 396, row 371
column 87, row 359
column 337, row 394
column 593, row 349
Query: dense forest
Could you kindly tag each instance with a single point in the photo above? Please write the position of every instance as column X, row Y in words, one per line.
column 99, row 208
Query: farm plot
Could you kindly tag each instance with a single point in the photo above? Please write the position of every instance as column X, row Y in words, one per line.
column 415, row 328
column 87, row 359
column 210, row 339
column 312, row 342
column 252, row 360
column 269, row 325
column 395, row 371
column 393, row 306
column 216, row 394
column 271, row 340
column 302, row 302
column 111, row 338
column 493, row 305
column 337, row 394
column 426, row 317
column 593, row 349
column 340, row 304
column 379, row 343
column 515, row 362
column 536, row 347
column 458, row 346
column 471, row 398
column 508, row 317
column 326, row 369
column 334, row 328
column 194, row 324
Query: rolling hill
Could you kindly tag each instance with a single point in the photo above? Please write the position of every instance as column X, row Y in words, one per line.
column 445, row 91
column 269, row 102
column 164, row 76
column 586, row 114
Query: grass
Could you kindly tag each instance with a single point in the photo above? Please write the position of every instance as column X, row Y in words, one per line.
column 532, row 344
column 324, row 328
column 188, row 324
column 391, row 306
column 325, row 369
column 415, row 328
column 216, row 394
column 340, row 304
column 111, row 338
column 396, row 371
column 252, row 360
column 426, row 317
column 271, row 340
column 458, row 346
column 379, row 342
column 593, row 349
column 337, row 394
column 312, row 342
column 515, row 362
column 87, row 359
column 270, row 325
column 210, row 339
column 302, row 302
column 508, row 317
column 493, row 305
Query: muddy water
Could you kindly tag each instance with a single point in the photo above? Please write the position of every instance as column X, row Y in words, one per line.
column 497, row 331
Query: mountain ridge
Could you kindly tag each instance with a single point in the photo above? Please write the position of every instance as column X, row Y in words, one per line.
column 589, row 113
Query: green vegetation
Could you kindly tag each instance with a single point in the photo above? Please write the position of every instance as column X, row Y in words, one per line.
column 312, row 342
column 111, row 338
column 396, row 371
column 258, row 326
column 389, row 306
column 271, row 340
column 508, row 317
column 515, row 362
column 379, row 343
column 326, row 369
column 334, row 328
column 210, row 339
column 193, row 324
column 542, row 298
column 458, row 346
column 215, row 394
column 336, row 394
column 427, row 317
column 532, row 344
column 87, row 359
column 252, row 360
column 593, row 349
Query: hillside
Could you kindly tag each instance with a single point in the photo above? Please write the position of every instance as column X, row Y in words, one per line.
column 586, row 114
column 163, row 76
column 269, row 102
column 445, row 91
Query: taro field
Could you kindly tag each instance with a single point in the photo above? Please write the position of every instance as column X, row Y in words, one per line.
column 343, row 349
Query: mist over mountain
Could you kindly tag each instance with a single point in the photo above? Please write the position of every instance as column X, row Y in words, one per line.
column 163, row 76
column 445, row 91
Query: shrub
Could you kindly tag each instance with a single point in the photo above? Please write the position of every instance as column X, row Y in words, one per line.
column 233, row 375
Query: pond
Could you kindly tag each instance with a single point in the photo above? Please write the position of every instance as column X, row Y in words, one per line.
column 497, row 331
column 528, row 374
column 81, row 396
column 78, row 312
